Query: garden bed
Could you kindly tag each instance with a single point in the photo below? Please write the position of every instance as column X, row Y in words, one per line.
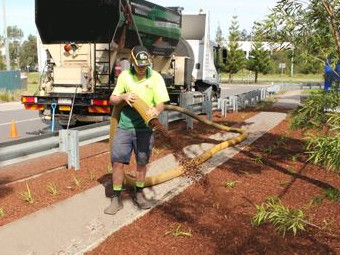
column 213, row 216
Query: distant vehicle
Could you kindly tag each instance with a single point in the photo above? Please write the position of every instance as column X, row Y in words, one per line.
column 86, row 44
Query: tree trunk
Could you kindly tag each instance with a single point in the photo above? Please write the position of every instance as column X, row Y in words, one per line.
column 230, row 78
column 329, row 8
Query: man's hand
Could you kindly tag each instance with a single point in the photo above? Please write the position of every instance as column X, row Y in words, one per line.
column 129, row 98
column 152, row 112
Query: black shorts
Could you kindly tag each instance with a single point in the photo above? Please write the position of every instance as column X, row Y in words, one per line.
column 141, row 142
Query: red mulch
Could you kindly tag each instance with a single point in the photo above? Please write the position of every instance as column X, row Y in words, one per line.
column 218, row 218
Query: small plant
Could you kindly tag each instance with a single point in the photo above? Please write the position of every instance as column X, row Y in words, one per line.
column 92, row 176
column 269, row 150
column 315, row 201
column 332, row 194
column 258, row 160
column 230, row 184
column 178, row 232
column 26, row 195
column 291, row 170
column 280, row 141
column 294, row 158
column 76, row 181
column 109, row 169
column 283, row 218
column 329, row 193
column 285, row 183
column 52, row 188
column 2, row 212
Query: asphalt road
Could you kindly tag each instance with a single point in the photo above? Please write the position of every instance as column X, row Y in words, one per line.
column 27, row 122
column 236, row 89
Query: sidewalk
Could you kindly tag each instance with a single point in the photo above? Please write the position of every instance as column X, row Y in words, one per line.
column 75, row 226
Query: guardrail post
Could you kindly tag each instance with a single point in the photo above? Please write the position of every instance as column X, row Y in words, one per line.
column 164, row 119
column 73, row 150
column 69, row 143
column 207, row 108
column 189, row 120
column 63, row 140
column 224, row 105
column 234, row 102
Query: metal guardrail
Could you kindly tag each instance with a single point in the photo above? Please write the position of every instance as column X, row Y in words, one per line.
column 28, row 148
column 241, row 101
column 32, row 147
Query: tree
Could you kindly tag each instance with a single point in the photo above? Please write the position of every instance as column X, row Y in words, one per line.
column 2, row 59
column 14, row 33
column 259, row 59
column 219, row 36
column 245, row 36
column 311, row 26
column 235, row 58
column 15, row 36
column 218, row 53
column 28, row 53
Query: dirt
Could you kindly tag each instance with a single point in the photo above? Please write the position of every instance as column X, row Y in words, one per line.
column 211, row 216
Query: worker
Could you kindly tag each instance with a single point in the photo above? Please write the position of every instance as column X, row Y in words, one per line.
column 132, row 133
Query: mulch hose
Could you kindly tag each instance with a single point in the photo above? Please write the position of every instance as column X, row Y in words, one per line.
column 141, row 107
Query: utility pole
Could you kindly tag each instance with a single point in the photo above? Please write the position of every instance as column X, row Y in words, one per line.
column 292, row 62
column 8, row 62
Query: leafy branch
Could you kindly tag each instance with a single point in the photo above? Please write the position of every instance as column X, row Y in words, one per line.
column 283, row 218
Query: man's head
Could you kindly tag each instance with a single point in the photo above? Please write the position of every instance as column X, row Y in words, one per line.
column 140, row 56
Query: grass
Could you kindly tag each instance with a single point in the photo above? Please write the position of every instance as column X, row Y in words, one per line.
column 6, row 96
column 31, row 88
column 243, row 76
column 32, row 83
column 34, row 78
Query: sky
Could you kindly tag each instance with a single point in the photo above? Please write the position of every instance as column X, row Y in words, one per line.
column 20, row 13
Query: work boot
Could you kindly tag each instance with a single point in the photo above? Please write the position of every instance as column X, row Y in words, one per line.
column 115, row 206
column 141, row 201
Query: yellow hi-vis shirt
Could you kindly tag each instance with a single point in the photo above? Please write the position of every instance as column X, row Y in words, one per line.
column 151, row 90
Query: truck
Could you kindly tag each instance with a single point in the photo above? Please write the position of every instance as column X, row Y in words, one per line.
column 83, row 45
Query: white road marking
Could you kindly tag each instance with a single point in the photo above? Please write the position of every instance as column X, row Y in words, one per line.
column 20, row 121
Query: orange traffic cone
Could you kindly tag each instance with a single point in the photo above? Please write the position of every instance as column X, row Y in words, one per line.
column 14, row 132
